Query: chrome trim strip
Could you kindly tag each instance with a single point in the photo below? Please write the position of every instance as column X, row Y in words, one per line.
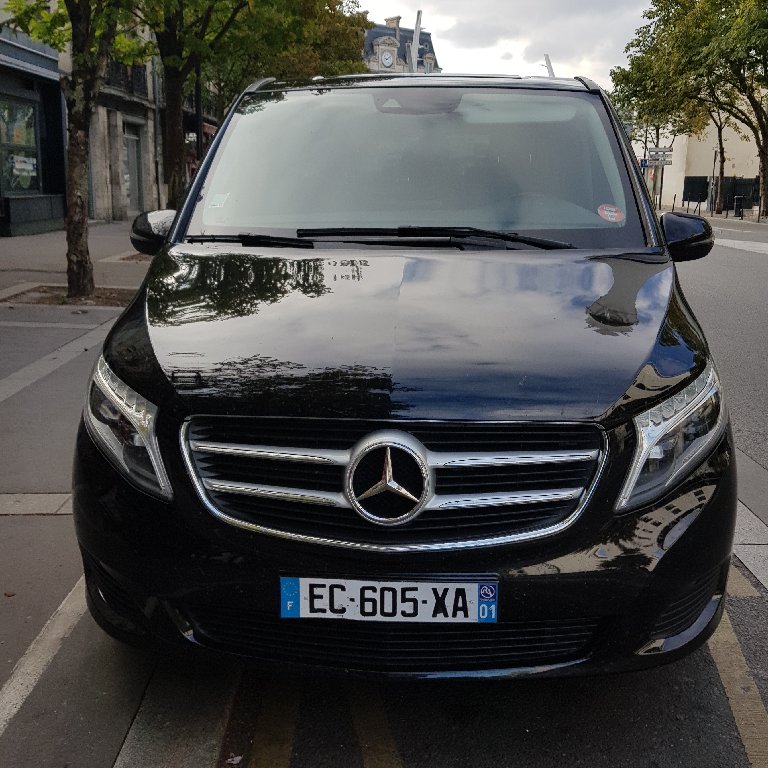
column 329, row 499
column 483, row 459
column 436, row 459
column 274, row 492
column 340, row 458
column 478, row 500
column 443, row 546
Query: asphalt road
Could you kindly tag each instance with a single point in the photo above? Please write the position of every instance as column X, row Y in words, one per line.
column 728, row 291
column 70, row 696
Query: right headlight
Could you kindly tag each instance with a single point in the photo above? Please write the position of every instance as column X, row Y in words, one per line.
column 671, row 437
column 122, row 423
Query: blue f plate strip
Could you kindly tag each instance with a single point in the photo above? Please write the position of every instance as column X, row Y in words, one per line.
column 289, row 597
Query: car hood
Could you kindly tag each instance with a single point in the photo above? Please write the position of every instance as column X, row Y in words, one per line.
column 447, row 334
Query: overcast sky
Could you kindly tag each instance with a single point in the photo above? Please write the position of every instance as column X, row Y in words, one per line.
column 502, row 37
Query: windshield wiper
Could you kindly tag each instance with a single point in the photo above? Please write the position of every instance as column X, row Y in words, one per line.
column 253, row 240
column 452, row 236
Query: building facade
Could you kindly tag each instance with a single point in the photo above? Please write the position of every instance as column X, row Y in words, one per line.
column 32, row 131
column 695, row 162
column 126, row 143
column 387, row 46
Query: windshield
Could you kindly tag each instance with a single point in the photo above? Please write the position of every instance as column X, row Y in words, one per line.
column 542, row 163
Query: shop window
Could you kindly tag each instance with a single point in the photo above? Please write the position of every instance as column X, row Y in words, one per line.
column 19, row 155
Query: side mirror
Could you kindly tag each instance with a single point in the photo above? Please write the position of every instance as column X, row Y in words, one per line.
column 689, row 237
column 149, row 231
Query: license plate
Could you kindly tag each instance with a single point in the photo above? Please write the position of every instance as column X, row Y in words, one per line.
column 415, row 601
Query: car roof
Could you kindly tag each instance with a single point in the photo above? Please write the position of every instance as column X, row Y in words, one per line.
column 433, row 79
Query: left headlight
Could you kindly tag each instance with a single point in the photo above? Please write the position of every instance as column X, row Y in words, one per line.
column 670, row 438
column 122, row 423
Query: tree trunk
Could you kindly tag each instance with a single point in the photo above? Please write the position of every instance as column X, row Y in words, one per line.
column 175, row 155
column 721, row 171
column 763, row 155
column 79, row 265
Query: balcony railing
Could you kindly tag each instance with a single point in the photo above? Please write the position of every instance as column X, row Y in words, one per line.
column 131, row 79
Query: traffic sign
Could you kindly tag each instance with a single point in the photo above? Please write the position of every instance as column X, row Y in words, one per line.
column 654, row 162
column 659, row 150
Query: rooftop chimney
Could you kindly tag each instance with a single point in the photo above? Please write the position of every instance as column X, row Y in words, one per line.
column 394, row 23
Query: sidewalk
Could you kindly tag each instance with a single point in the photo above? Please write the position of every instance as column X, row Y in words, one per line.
column 750, row 215
column 42, row 259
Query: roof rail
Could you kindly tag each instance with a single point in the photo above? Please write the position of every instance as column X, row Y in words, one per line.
column 590, row 85
column 259, row 84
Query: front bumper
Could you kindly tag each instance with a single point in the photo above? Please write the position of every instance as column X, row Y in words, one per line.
column 637, row 590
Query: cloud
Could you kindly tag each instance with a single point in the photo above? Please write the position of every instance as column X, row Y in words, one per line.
column 479, row 33
column 581, row 38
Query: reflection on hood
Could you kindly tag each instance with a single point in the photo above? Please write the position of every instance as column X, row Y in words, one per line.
column 434, row 334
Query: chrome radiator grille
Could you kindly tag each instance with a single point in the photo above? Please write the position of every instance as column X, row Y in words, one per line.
column 493, row 482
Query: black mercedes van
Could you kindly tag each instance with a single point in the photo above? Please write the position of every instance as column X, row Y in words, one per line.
column 411, row 388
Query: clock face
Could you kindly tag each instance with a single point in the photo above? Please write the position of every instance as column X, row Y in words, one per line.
column 386, row 59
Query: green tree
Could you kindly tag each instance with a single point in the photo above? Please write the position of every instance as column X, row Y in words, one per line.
column 236, row 41
column 289, row 40
column 94, row 31
column 662, row 105
column 733, row 40
column 715, row 53
column 187, row 33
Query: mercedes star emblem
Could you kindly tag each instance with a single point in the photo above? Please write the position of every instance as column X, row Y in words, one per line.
column 388, row 480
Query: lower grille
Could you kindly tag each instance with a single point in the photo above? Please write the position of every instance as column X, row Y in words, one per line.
column 683, row 612
column 393, row 648
column 111, row 592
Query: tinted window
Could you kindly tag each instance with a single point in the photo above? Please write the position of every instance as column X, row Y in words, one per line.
column 538, row 162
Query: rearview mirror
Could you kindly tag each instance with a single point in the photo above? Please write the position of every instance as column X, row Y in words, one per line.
column 150, row 229
column 689, row 237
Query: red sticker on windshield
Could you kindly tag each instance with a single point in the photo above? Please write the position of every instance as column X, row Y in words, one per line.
column 610, row 213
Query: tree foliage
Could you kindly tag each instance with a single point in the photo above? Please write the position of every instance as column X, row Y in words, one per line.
column 187, row 33
column 291, row 40
column 236, row 41
column 712, row 53
column 232, row 41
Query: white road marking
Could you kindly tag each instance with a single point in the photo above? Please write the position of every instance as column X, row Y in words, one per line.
column 34, row 324
column 30, row 667
column 39, row 369
column 743, row 245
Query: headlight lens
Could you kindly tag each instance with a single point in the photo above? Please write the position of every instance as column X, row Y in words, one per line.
column 122, row 422
column 671, row 437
